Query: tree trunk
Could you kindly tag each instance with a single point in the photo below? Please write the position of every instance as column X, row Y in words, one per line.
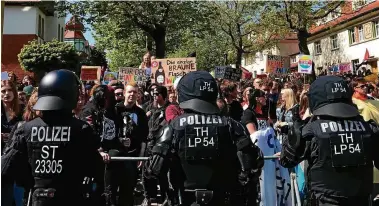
column 149, row 43
column 159, row 37
column 302, row 36
column 239, row 58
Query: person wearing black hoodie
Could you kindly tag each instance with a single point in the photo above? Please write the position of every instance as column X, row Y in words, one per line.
column 100, row 113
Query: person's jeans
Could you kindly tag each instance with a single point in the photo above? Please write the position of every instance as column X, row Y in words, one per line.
column 19, row 195
column 7, row 194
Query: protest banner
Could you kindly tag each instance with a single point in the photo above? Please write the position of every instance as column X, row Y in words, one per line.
column 109, row 76
column 229, row 73
column 165, row 71
column 90, row 73
column 344, row 67
column 305, row 64
column 132, row 75
column 275, row 62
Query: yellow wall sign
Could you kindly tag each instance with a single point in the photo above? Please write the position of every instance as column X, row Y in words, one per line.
column 367, row 30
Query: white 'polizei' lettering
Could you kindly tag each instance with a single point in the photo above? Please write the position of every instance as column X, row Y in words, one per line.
column 51, row 134
column 200, row 120
column 345, row 126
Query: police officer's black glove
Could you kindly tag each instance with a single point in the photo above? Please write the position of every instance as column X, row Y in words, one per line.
column 294, row 133
column 243, row 178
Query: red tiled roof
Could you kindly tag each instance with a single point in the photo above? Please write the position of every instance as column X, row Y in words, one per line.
column 345, row 17
column 73, row 35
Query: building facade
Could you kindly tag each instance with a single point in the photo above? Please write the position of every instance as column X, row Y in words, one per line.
column 257, row 63
column 349, row 40
column 24, row 22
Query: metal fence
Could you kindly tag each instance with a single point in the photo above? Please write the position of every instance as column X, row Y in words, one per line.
column 146, row 158
column 295, row 195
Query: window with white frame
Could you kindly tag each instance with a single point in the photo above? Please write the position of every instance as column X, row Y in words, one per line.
column 318, row 47
column 293, row 59
column 59, row 32
column 376, row 25
column 334, row 41
column 360, row 3
column 62, row 34
column 39, row 25
column 360, row 33
column 43, row 29
column 352, row 36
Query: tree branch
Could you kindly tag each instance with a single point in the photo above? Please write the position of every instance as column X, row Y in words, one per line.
column 327, row 12
column 288, row 19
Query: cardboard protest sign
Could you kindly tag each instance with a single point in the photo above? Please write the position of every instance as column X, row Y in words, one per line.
column 344, row 67
column 132, row 75
column 305, row 64
column 275, row 62
column 90, row 73
column 219, row 72
column 109, row 76
column 229, row 73
column 165, row 71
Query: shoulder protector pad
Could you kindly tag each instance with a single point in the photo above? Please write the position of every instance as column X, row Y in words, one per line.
column 163, row 142
column 166, row 134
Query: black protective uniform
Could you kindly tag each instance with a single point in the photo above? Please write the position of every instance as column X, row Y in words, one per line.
column 50, row 154
column 208, row 155
column 339, row 145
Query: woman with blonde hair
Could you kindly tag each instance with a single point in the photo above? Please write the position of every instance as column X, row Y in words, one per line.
column 146, row 63
column 284, row 113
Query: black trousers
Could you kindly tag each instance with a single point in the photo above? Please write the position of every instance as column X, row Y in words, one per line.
column 120, row 181
column 189, row 199
column 60, row 198
column 150, row 187
column 323, row 200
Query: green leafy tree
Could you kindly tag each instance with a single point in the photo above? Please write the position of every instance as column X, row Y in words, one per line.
column 155, row 18
column 96, row 58
column 122, row 51
column 299, row 17
column 241, row 22
column 210, row 47
column 49, row 56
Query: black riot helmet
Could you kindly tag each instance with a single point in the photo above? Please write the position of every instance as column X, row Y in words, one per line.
column 58, row 90
column 197, row 91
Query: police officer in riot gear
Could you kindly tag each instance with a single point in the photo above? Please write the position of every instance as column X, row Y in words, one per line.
column 56, row 150
column 208, row 155
column 339, row 145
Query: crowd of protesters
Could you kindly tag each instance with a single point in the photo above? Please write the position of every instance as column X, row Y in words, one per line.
column 257, row 103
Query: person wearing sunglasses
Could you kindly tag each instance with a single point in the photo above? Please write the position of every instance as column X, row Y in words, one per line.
column 119, row 94
column 367, row 107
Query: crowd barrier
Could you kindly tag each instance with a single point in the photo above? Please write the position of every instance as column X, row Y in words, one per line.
column 146, row 158
column 295, row 195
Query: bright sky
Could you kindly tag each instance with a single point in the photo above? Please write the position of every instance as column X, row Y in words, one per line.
column 87, row 34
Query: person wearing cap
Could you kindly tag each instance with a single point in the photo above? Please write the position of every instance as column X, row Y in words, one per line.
column 53, row 153
column 339, row 145
column 209, row 156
